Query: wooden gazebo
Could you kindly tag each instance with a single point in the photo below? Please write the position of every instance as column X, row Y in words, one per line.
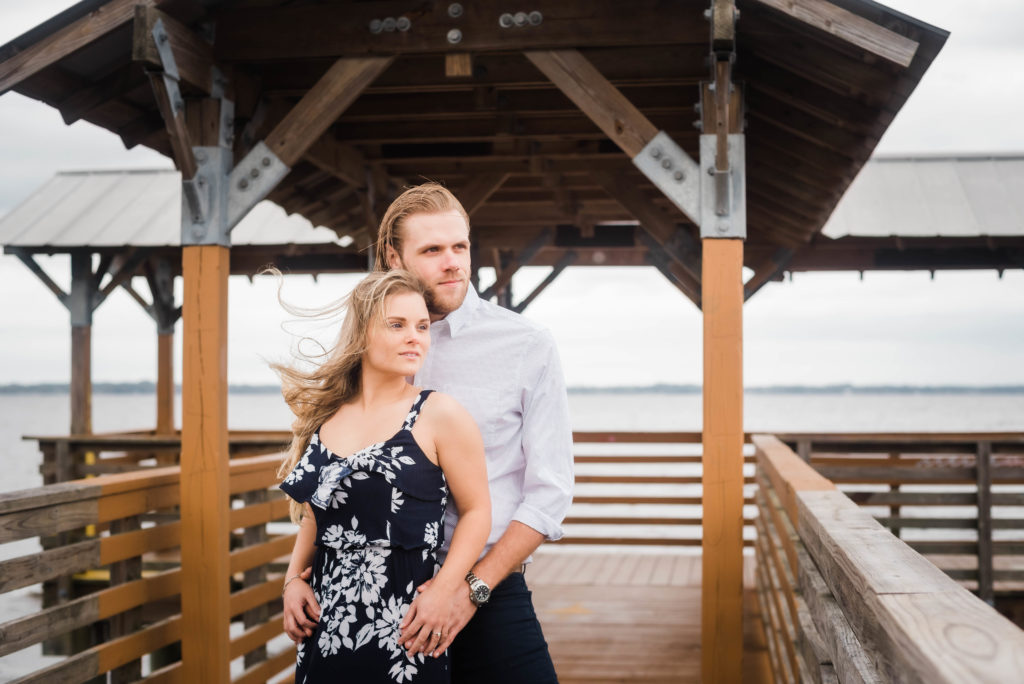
column 673, row 134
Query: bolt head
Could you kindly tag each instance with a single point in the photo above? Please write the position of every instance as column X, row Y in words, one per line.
column 265, row 161
column 679, row 176
column 535, row 18
column 200, row 157
column 455, row 10
column 403, row 24
column 505, row 20
column 656, row 152
column 162, row 37
column 243, row 184
column 376, row 26
column 255, row 173
column 722, row 226
column 711, row 170
column 666, row 164
column 454, row 36
column 389, row 24
column 520, row 18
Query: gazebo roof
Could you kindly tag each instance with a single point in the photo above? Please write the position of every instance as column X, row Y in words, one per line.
column 821, row 80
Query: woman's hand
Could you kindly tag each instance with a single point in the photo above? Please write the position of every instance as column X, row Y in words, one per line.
column 301, row 611
column 425, row 627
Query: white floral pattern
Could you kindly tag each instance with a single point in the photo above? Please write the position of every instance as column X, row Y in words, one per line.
column 363, row 594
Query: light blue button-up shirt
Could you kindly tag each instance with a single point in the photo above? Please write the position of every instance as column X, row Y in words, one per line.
column 504, row 369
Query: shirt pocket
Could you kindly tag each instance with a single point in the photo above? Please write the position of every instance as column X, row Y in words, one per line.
column 484, row 404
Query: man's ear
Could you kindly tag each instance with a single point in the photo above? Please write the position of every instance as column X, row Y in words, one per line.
column 394, row 261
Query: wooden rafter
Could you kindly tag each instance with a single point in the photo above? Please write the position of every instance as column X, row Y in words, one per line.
column 173, row 114
column 567, row 259
column 850, row 27
column 33, row 266
column 606, row 106
column 322, row 105
column 522, row 258
column 474, row 194
column 656, row 257
column 67, row 40
column 768, row 271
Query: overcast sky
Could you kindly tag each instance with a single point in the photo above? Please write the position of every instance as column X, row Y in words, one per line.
column 614, row 326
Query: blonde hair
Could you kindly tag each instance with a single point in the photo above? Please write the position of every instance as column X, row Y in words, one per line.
column 428, row 198
column 315, row 395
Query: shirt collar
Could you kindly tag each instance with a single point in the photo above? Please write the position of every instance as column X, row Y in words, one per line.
column 460, row 317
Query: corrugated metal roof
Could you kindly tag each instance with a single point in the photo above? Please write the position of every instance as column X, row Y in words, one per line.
column 137, row 208
column 933, row 197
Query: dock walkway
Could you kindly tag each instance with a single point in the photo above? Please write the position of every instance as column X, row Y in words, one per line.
column 612, row 616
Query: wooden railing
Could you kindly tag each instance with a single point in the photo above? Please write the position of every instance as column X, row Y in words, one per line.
column 655, row 502
column 845, row 600
column 136, row 534
column 977, row 477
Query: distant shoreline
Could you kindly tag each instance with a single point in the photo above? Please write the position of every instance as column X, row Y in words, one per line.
column 146, row 387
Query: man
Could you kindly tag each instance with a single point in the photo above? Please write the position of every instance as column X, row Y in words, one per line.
column 504, row 370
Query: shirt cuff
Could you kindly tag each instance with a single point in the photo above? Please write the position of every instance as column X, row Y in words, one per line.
column 538, row 520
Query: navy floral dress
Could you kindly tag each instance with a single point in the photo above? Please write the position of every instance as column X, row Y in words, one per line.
column 379, row 524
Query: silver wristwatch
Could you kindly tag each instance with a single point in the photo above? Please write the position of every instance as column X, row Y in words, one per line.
column 479, row 592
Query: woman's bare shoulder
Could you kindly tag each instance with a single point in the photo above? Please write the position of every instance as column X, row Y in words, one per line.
column 445, row 408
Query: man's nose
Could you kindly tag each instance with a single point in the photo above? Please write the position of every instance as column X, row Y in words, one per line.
column 450, row 262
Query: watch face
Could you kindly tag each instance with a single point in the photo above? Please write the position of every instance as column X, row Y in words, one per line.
column 481, row 594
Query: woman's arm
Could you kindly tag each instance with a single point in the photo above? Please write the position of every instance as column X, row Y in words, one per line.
column 301, row 611
column 460, row 453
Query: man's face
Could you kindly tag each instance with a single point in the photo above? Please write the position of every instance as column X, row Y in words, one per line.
column 435, row 248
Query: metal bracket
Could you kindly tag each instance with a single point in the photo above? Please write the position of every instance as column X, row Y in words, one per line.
column 723, row 199
column 673, row 171
column 252, row 180
column 162, row 39
column 204, row 209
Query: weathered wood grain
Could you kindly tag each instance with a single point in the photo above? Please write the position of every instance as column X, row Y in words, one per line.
column 27, row 570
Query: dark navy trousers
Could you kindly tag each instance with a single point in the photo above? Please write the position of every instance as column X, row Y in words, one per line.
column 503, row 643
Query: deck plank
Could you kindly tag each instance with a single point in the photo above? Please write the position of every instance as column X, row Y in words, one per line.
column 630, row 617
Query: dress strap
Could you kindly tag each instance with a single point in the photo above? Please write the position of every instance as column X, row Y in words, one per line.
column 414, row 412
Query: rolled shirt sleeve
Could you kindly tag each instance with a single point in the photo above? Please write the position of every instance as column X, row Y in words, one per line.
column 547, row 440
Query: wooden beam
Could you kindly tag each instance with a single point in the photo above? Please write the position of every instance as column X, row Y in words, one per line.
column 522, row 258
column 772, row 269
column 474, row 194
column 850, row 27
column 173, row 114
column 322, row 105
column 722, row 479
column 562, row 264
column 205, row 528
column 338, row 159
column 81, row 380
column 33, row 266
column 298, row 32
column 193, row 56
column 657, row 257
column 164, row 386
column 606, row 106
column 677, row 243
column 49, row 50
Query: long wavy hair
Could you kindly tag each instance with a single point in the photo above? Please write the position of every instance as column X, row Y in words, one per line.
column 316, row 394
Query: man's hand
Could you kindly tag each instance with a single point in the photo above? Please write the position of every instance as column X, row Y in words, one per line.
column 462, row 610
column 301, row 611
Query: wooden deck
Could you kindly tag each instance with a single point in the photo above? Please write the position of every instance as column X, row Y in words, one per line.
column 632, row 616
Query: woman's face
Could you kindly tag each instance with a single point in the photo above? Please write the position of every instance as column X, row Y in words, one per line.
column 399, row 344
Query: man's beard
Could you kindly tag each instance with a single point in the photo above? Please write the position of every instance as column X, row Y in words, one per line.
column 442, row 306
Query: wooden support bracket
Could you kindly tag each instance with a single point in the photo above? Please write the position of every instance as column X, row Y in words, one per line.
column 562, row 264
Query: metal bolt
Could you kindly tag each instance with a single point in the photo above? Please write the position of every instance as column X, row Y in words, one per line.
column 403, row 24
column 666, row 163
column 265, row 161
column 376, row 26
column 389, row 24
column 201, row 182
column 707, row 14
column 656, row 152
column 698, row 124
column 200, row 156
column 536, row 18
column 722, row 226
column 243, row 184
column 711, row 170
column 455, row 36
column 162, row 37
column 198, row 230
column 505, row 20
column 455, row 10
column 679, row 176
column 520, row 19
column 255, row 173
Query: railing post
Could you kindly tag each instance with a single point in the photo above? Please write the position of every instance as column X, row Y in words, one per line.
column 253, row 536
column 894, row 509
column 983, row 457
column 129, row 621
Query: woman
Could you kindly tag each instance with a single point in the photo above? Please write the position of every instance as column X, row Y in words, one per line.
column 371, row 518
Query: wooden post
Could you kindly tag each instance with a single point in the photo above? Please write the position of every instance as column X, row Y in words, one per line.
column 894, row 510
column 165, row 383
column 80, row 307
column 204, row 467
column 986, row 591
column 722, row 543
